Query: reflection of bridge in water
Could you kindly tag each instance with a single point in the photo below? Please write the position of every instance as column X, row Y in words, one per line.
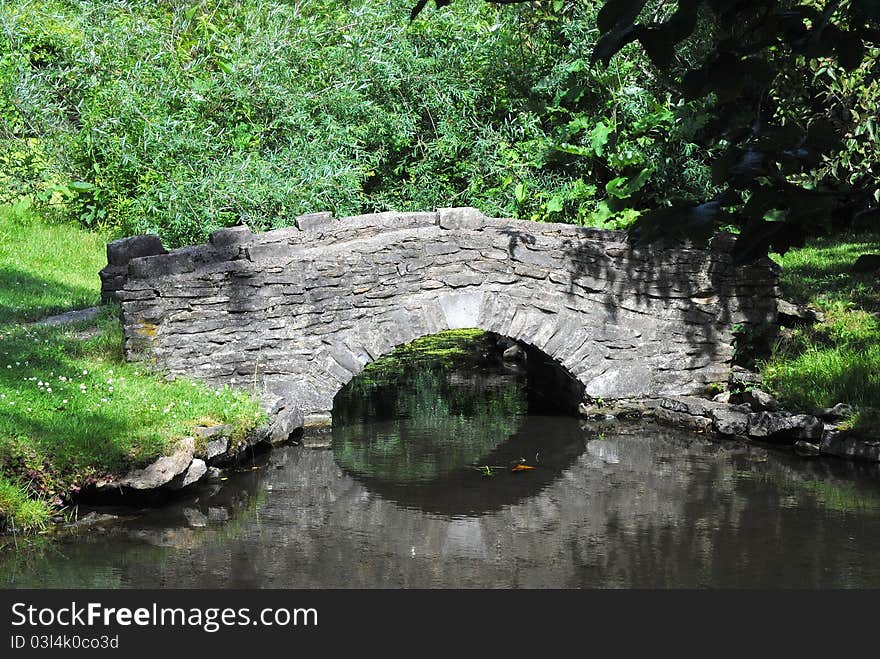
column 552, row 444
column 300, row 311
column 645, row 506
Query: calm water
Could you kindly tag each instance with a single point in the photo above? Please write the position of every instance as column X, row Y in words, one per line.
column 417, row 490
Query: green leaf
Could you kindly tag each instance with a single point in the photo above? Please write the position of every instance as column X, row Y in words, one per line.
column 616, row 187
column 623, row 187
column 519, row 192
column 555, row 204
column 599, row 137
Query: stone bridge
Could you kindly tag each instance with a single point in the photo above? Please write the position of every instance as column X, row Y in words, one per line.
column 298, row 312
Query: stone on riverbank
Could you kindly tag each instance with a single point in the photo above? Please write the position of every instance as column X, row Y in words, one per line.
column 194, row 472
column 730, row 421
column 846, row 445
column 836, row 413
column 163, row 470
column 757, row 400
column 783, row 425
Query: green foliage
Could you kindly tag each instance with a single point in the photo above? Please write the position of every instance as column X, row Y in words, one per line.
column 784, row 91
column 787, row 96
column 181, row 118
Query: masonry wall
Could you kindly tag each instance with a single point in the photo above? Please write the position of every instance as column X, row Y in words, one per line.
column 298, row 312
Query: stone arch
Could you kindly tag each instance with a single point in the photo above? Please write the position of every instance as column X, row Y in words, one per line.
column 349, row 351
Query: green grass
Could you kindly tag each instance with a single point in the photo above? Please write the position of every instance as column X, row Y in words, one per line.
column 22, row 512
column 46, row 268
column 837, row 360
column 71, row 408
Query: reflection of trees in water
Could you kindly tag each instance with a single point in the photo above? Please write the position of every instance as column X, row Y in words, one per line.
column 432, row 424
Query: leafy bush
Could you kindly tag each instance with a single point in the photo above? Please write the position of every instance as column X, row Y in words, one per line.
column 181, row 118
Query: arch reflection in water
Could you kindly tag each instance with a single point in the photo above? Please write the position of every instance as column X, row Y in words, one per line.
column 439, row 426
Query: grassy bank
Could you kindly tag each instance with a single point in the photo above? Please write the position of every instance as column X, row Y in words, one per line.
column 71, row 408
column 837, row 360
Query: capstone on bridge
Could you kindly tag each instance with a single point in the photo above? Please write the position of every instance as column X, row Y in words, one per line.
column 298, row 312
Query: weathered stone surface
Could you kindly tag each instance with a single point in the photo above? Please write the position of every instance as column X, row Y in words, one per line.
column 791, row 314
column 315, row 221
column 298, row 313
column 758, row 400
column 216, row 447
column 68, row 317
column 683, row 419
column 163, row 470
column 619, row 408
column 836, row 413
column 120, row 252
column 846, row 445
column 742, row 377
column 286, row 421
column 782, row 426
column 197, row 468
column 231, row 236
column 730, row 421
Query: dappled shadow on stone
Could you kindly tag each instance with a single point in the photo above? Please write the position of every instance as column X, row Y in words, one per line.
column 683, row 303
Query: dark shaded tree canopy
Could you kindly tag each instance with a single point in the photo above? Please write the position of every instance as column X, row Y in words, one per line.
column 773, row 192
